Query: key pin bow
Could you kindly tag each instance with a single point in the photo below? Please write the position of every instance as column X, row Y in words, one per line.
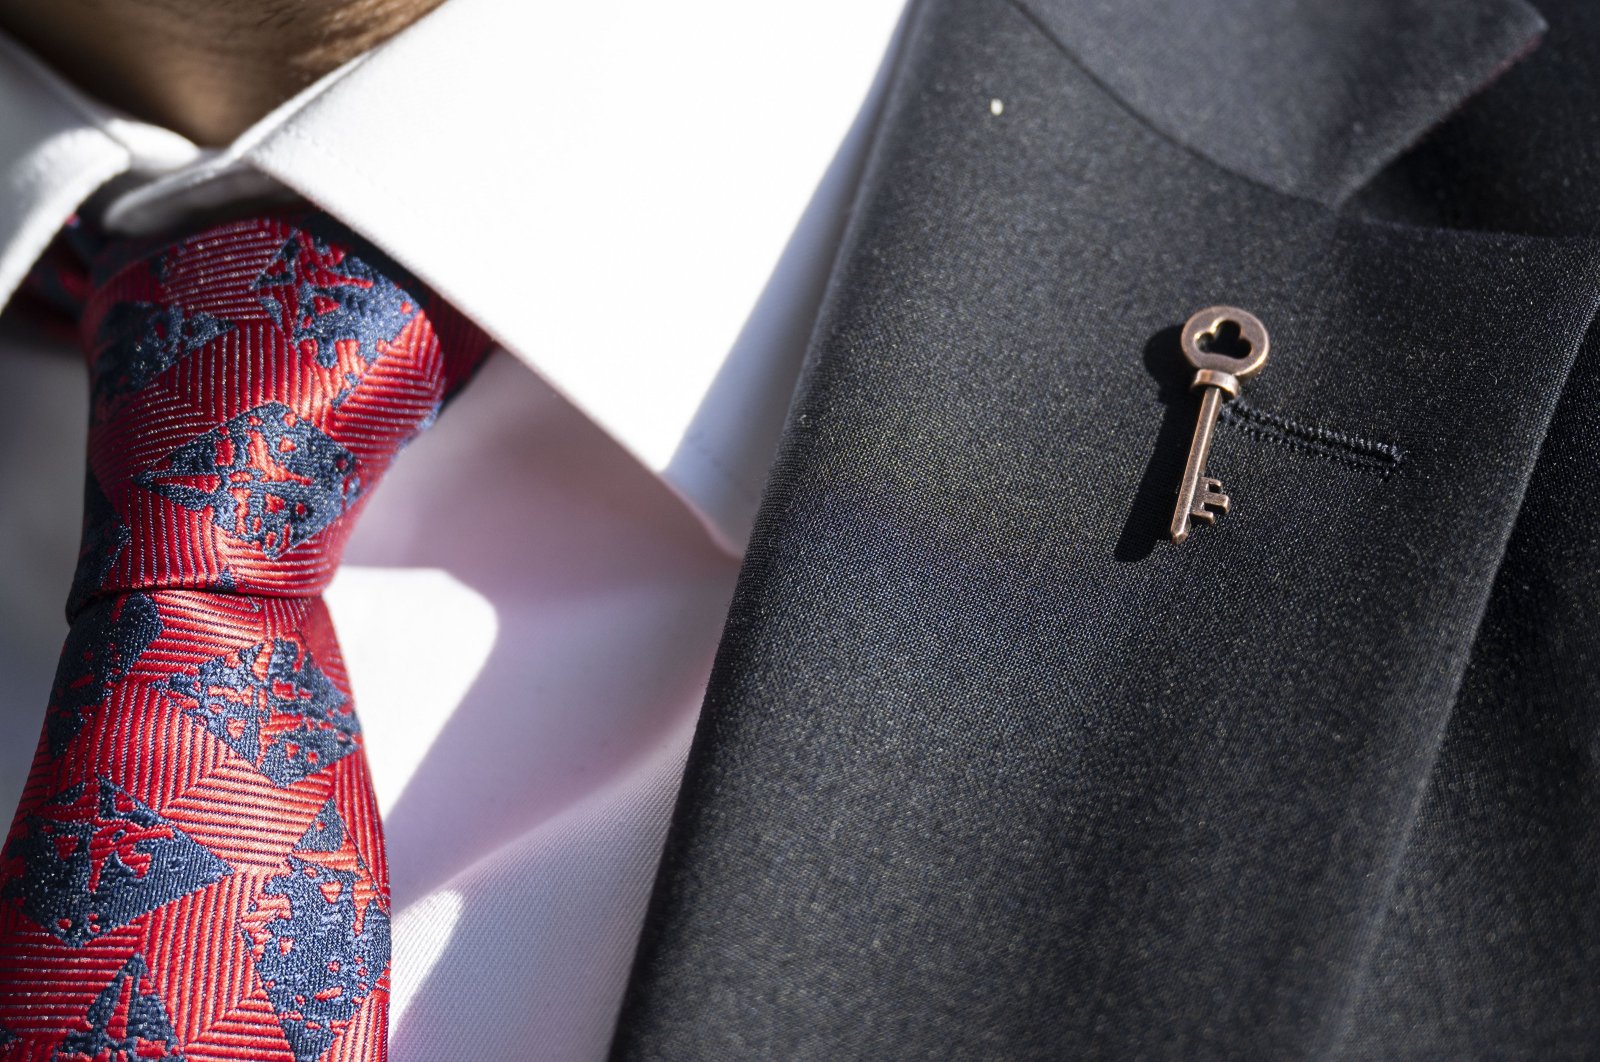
column 1225, row 345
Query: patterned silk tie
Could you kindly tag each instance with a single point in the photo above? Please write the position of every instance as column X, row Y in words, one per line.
column 196, row 870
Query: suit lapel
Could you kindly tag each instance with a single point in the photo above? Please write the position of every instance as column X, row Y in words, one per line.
column 989, row 769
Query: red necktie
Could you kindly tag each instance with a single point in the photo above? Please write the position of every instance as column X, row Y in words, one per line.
column 196, row 870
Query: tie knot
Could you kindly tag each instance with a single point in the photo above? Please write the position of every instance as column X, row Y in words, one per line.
column 249, row 386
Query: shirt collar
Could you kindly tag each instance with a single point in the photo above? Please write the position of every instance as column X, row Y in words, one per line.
column 56, row 147
column 658, row 257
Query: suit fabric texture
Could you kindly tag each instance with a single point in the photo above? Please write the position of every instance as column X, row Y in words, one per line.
column 988, row 768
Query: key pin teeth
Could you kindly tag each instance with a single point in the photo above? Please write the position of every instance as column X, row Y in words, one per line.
column 1226, row 345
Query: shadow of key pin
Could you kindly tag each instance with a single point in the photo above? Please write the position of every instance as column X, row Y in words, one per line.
column 1225, row 345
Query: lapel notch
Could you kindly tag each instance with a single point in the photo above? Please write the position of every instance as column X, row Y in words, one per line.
column 1307, row 97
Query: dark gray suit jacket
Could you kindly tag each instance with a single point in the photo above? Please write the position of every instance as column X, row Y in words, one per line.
column 988, row 768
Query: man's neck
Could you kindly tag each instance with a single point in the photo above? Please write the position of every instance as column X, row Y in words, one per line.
column 205, row 68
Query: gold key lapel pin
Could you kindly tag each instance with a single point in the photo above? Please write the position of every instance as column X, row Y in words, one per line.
column 1225, row 345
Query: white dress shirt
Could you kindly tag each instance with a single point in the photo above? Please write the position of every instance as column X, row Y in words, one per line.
column 641, row 203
